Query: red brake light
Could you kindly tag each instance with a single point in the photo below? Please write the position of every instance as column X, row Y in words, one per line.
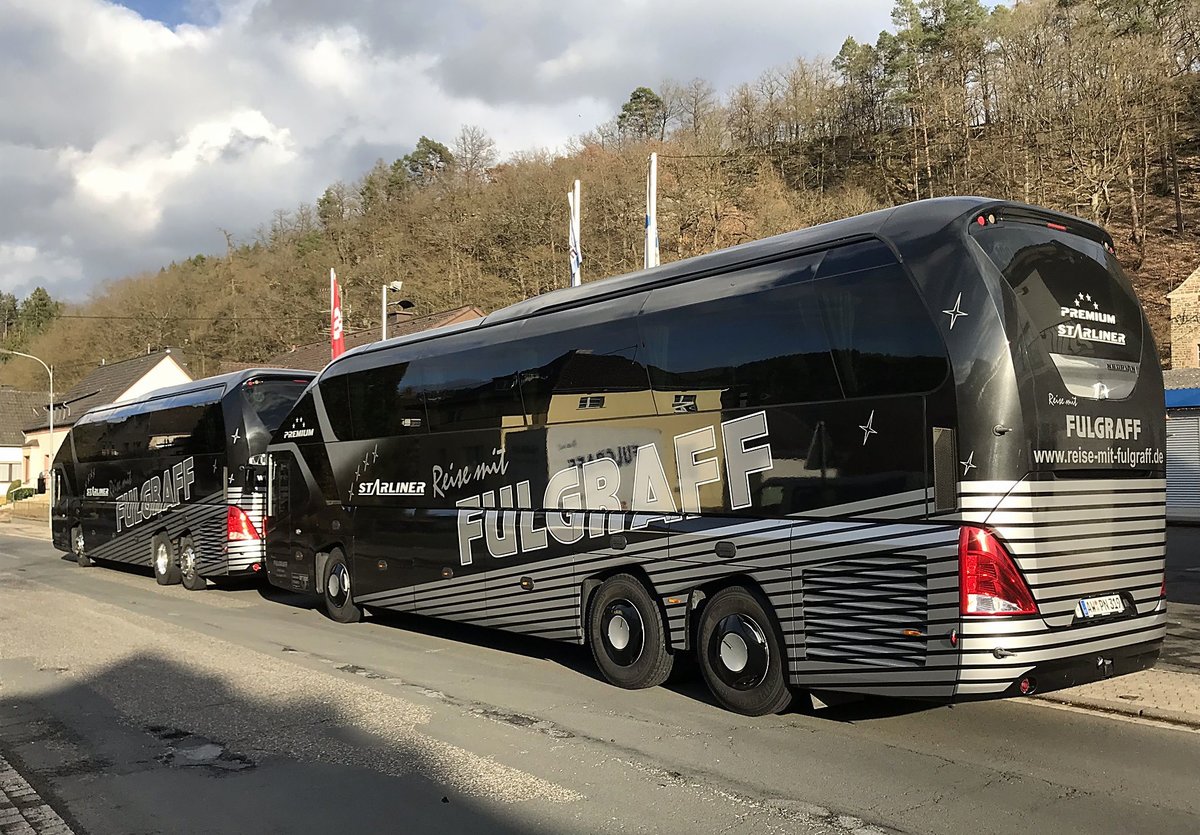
column 1057, row 226
column 989, row 583
column 239, row 526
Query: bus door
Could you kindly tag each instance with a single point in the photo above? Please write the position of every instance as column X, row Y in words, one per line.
column 289, row 553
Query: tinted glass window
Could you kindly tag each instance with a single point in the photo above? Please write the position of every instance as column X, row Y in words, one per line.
column 1071, row 290
column 271, row 400
column 882, row 338
column 473, row 389
column 188, row 425
column 568, row 372
column 375, row 402
column 117, row 433
column 739, row 342
column 89, row 438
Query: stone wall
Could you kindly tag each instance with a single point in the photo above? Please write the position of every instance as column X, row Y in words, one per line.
column 1185, row 330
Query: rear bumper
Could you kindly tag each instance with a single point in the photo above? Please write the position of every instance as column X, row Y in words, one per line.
column 1079, row 669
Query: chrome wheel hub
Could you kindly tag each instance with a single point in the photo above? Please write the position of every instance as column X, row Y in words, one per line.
column 739, row 653
column 623, row 631
column 337, row 586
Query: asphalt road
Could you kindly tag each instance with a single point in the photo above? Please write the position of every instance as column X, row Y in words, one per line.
column 134, row 708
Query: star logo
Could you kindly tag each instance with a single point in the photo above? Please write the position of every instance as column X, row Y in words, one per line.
column 237, row 435
column 955, row 311
column 969, row 464
column 868, row 428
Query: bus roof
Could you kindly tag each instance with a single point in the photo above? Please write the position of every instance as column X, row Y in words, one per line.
column 226, row 382
column 896, row 224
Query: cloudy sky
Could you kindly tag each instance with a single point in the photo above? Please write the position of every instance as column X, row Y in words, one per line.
column 132, row 133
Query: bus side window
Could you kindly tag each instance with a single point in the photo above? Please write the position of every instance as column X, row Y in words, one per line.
column 473, row 389
column 590, row 372
column 742, row 340
column 374, row 402
column 882, row 338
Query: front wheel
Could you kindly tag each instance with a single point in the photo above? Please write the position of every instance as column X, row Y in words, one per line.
column 741, row 654
column 626, row 634
column 77, row 548
column 162, row 557
column 189, row 565
column 339, row 604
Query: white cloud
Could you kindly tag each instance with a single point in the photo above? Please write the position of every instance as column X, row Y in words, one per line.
column 125, row 143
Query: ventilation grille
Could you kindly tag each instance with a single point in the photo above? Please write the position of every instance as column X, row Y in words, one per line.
column 945, row 470
column 856, row 611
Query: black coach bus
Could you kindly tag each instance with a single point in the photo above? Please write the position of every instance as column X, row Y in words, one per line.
column 914, row 453
column 175, row 480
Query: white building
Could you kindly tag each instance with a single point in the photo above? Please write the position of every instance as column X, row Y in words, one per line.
column 109, row 383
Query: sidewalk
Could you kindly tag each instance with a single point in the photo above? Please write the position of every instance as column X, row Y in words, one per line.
column 31, row 528
column 22, row 810
column 1166, row 695
column 1170, row 692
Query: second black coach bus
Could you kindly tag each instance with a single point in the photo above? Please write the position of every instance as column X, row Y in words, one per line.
column 175, row 480
column 917, row 452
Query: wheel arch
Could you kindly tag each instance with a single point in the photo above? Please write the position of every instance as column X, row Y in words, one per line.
column 321, row 557
column 588, row 587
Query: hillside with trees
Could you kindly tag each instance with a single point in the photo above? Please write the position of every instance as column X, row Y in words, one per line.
column 1088, row 106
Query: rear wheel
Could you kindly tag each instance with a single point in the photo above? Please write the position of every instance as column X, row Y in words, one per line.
column 339, row 604
column 188, row 565
column 77, row 548
column 626, row 634
column 741, row 654
column 166, row 570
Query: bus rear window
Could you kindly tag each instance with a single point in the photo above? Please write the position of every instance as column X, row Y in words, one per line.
column 1071, row 290
column 271, row 400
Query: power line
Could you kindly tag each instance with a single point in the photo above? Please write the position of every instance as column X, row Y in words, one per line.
column 150, row 318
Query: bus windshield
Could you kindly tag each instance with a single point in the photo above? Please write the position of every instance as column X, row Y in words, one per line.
column 272, row 399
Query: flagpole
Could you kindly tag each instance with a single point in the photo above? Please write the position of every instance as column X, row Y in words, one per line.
column 576, row 251
column 651, row 257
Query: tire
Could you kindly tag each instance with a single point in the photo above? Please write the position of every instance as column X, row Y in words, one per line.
column 77, row 548
column 626, row 634
column 741, row 654
column 162, row 560
column 335, row 590
column 188, row 557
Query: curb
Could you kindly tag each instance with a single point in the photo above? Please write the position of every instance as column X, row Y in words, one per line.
column 1108, row 706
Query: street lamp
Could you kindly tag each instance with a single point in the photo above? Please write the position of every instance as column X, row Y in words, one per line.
column 404, row 304
column 50, row 470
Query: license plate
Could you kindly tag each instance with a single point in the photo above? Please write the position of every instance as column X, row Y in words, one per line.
column 1098, row 607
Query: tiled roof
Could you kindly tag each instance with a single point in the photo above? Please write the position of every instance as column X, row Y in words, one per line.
column 315, row 355
column 103, row 385
column 1182, row 378
column 229, row 366
column 18, row 408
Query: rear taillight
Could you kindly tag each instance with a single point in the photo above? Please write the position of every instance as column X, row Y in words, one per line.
column 989, row 583
column 239, row 526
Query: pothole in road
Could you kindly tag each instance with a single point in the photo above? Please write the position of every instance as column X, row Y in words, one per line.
column 188, row 750
column 520, row 720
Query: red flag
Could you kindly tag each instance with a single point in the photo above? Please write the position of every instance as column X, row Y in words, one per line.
column 337, row 338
